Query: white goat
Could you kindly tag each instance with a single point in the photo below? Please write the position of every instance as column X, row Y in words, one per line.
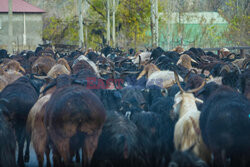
column 187, row 131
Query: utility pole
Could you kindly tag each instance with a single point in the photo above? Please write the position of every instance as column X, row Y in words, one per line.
column 114, row 10
column 81, row 39
column 108, row 22
column 10, row 28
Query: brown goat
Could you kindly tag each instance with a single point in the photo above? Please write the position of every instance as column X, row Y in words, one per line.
column 42, row 65
column 71, row 112
column 185, row 60
column 64, row 62
column 178, row 49
column 36, row 130
column 56, row 70
column 13, row 65
column 148, row 69
column 8, row 77
column 82, row 65
column 223, row 53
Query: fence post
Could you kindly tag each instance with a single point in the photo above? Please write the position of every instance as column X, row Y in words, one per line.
column 242, row 53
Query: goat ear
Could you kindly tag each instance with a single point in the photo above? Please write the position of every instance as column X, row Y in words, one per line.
column 22, row 69
column 199, row 100
column 142, row 74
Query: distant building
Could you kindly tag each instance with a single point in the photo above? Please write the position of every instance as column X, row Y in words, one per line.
column 27, row 25
column 192, row 29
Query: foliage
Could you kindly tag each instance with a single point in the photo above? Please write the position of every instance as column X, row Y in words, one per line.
column 237, row 15
column 59, row 30
column 134, row 17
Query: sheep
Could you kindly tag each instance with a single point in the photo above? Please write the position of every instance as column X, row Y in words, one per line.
column 187, row 131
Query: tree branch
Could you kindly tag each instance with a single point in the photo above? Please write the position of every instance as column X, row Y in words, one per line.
column 96, row 9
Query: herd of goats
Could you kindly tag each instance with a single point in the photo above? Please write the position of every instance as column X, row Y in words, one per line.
column 111, row 108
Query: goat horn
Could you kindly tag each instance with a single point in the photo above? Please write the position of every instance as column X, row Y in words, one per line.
column 42, row 77
column 22, row 69
column 245, row 63
column 130, row 72
column 178, row 81
column 192, row 60
column 237, row 68
column 188, row 74
column 225, row 67
column 197, row 89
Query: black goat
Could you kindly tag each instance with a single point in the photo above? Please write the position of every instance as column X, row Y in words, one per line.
column 22, row 95
column 118, row 143
column 7, row 139
column 224, row 123
column 186, row 159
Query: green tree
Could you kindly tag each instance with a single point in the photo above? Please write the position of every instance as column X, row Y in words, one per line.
column 237, row 15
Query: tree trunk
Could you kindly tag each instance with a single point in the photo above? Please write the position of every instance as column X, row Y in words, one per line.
column 10, row 28
column 114, row 10
column 81, row 39
column 108, row 22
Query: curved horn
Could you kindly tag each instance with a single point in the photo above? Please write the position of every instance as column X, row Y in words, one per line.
column 197, row 89
column 129, row 72
column 225, row 67
column 178, row 81
column 188, row 74
column 42, row 77
column 237, row 68
column 245, row 63
column 22, row 69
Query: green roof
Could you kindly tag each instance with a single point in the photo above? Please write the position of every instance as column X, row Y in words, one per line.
column 194, row 18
